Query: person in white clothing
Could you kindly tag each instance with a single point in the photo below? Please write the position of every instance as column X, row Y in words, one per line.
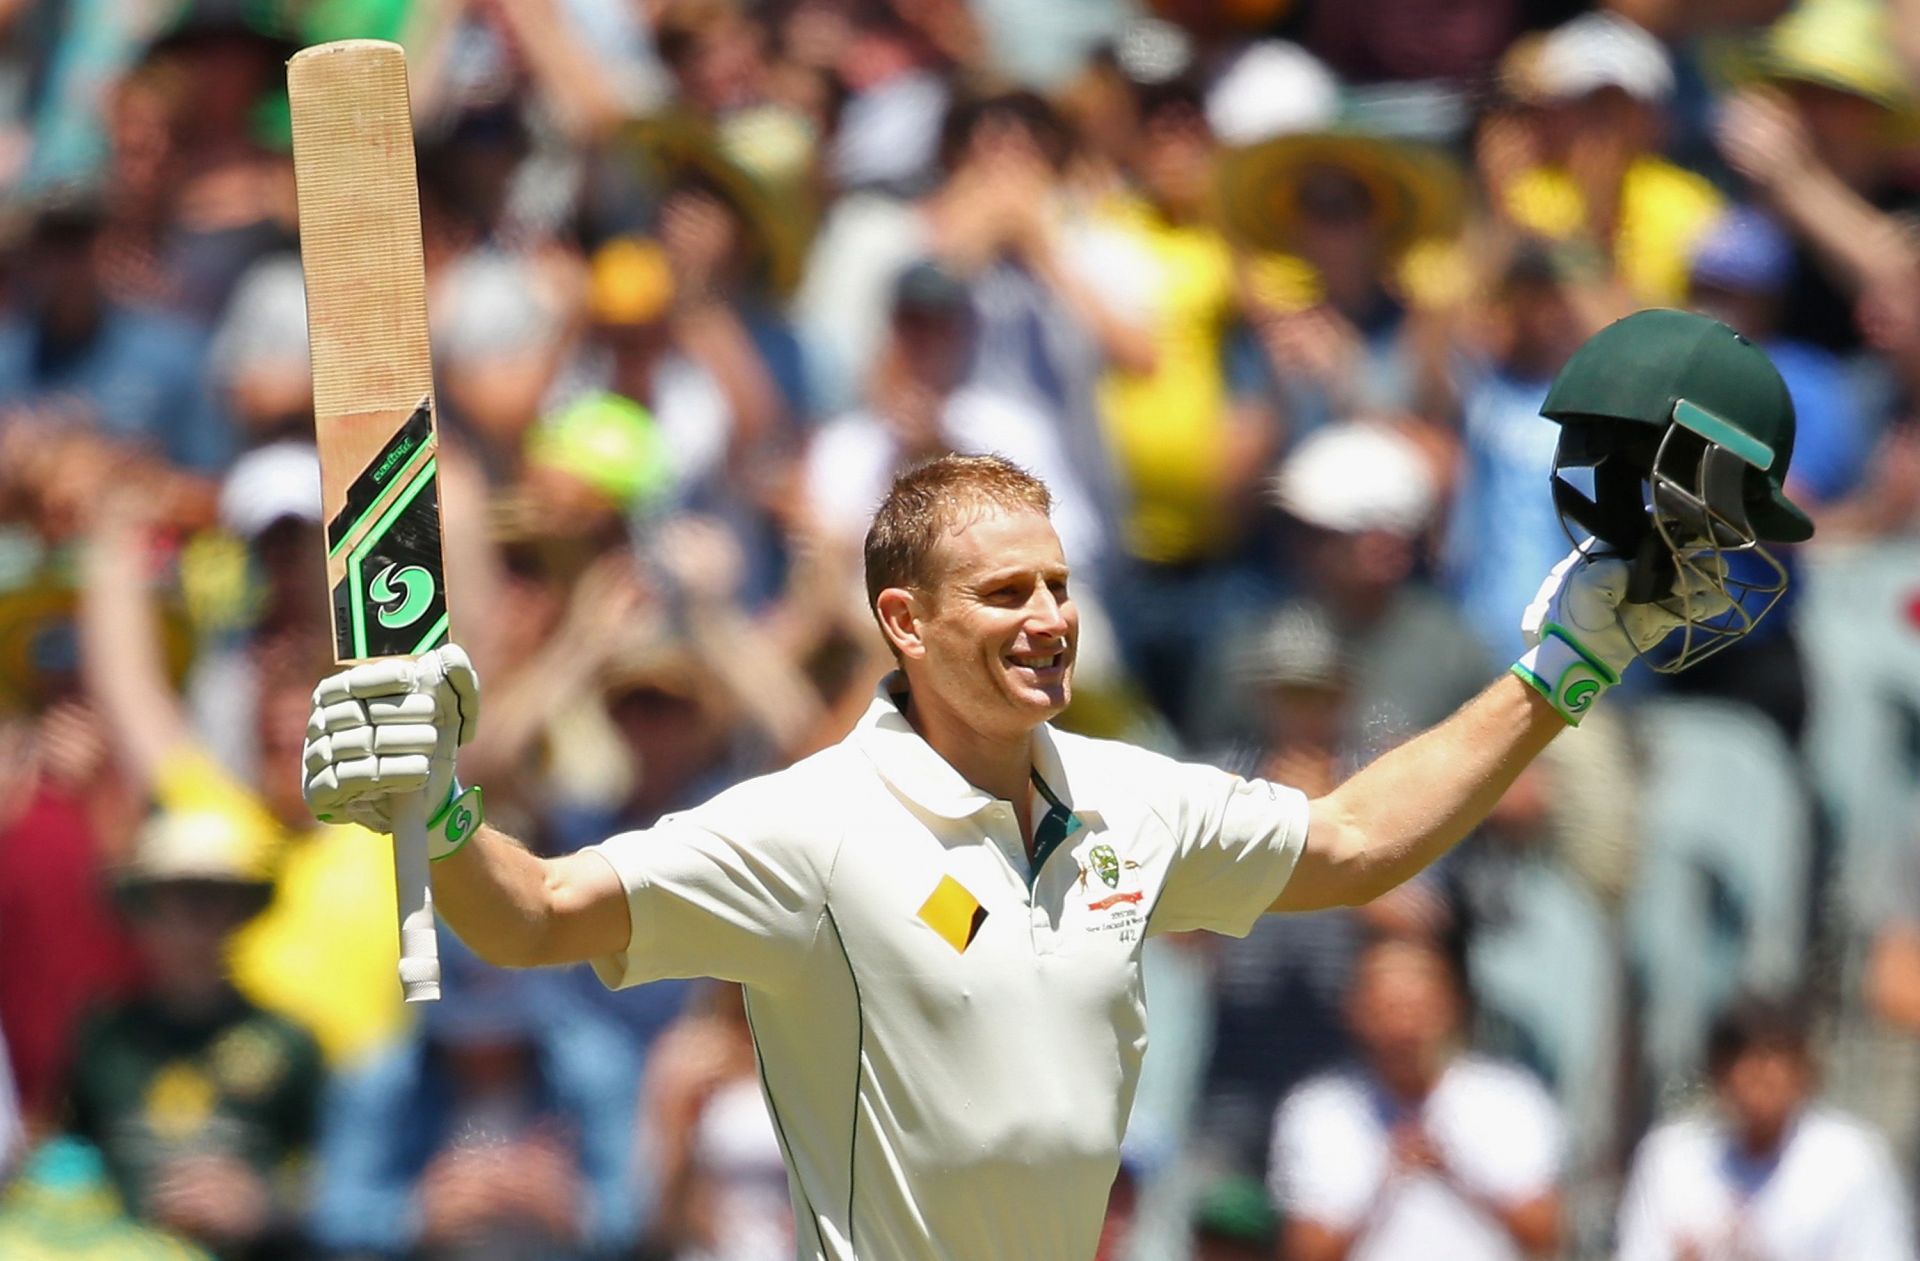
column 1770, row 1175
column 723, row 1181
column 1419, row 1152
column 938, row 922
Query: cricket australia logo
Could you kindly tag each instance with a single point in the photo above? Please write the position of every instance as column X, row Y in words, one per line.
column 415, row 595
column 1117, row 908
column 1106, row 864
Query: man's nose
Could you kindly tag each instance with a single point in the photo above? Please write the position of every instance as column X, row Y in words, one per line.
column 1047, row 616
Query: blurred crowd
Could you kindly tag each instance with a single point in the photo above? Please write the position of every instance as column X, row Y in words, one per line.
column 1268, row 291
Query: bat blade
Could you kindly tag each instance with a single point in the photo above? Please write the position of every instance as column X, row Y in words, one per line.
column 373, row 409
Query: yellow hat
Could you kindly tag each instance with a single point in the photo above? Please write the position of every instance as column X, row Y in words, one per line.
column 1846, row 45
column 629, row 282
column 1416, row 193
column 201, row 843
column 759, row 160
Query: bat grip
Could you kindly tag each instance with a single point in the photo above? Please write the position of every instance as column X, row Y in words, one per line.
column 419, row 943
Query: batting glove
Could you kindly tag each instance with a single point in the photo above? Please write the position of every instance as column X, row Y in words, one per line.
column 1583, row 635
column 387, row 728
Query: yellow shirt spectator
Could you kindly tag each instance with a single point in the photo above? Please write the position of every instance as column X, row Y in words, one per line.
column 1167, row 428
column 325, row 951
column 1663, row 210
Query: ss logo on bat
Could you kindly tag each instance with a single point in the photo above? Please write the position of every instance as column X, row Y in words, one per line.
column 415, row 595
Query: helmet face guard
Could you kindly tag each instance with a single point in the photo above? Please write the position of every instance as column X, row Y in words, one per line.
column 1673, row 501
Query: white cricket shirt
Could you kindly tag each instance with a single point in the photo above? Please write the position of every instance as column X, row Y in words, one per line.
column 1333, row 1162
column 1833, row 1193
column 949, row 1041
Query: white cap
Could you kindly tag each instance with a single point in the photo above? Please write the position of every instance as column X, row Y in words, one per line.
column 1602, row 50
column 265, row 319
column 489, row 303
column 1354, row 476
column 890, row 134
column 1273, row 88
column 268, row 484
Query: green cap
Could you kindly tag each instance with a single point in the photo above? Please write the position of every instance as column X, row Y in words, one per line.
column 1657, row 367
column 612, row 444
column 1235, row 1207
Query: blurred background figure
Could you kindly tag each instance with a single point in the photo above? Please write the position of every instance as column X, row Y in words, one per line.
column 76, row 355
column 1583, row 163
column 63, row 1207
column 1419, row 1151
column 1280, row 992
column 1502, row 518
column 1772, row 1172
column 517, row 1140
column 203, row 1105
column 1359, row 499
column 723, row 1186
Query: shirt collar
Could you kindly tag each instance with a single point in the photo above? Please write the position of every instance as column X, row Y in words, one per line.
column 929, row 781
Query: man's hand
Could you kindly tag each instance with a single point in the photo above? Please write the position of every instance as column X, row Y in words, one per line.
column 213, row 1198
column 1583, row 634
column 383, row 729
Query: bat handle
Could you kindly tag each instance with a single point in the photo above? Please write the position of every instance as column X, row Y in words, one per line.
column 419, row 943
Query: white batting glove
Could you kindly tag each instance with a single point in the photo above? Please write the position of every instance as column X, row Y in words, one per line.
column 1583, row 635
column 384, row 729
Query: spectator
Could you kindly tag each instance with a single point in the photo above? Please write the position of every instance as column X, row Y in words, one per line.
column 1739, row 274
column 1771, row 1173
column 500, row 335
column 1585, row 166
column 1811, row 137
column 324, row 953
column 258, row 357
column 1189, row 443
column 723, row 1185
column 1278, row 992
column 997, row 221
column 62, row 1207
column 62, row 947
column 922, row 405
column 1420, row 1152
column 202, row 1104
column 229, row 203
column 75, row 354
column 1352, row 238
column 517, row 1137
column 1359, row 497
column 1503, row 520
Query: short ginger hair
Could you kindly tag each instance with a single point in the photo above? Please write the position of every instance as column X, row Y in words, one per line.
column 931, row 499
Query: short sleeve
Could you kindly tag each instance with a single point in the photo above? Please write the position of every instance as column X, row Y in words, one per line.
column 1324, row 1166
column 1236, row 842
column 710, row 894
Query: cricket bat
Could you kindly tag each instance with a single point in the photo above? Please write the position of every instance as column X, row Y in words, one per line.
column 373, row 397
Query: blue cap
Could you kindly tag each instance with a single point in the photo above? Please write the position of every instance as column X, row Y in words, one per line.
column 1743, row 250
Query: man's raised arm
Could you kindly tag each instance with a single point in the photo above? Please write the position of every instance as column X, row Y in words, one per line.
column 1417, row 801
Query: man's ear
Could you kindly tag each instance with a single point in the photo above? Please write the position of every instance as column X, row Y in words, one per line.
column 898, row 611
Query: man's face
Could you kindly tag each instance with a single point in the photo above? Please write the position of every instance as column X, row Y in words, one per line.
column 997, row 631
column 1403, row 1013
column 1762, row 1089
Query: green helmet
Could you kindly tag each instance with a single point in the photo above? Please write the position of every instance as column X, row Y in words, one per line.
column 1676, row 434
